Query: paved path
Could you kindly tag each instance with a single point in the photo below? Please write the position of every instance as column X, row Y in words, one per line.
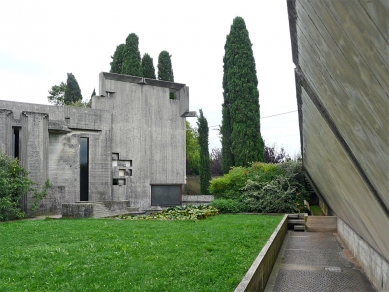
column 316, row 261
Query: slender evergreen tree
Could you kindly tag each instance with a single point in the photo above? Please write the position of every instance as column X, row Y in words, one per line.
column 117, row 59
column 205, row 165
column 131, row 57
column 241, row 99
column 72, row 91
column 93, row 93
column 165, row 70
column 148, row 67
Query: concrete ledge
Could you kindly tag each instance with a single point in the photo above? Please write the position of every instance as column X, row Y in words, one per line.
column 197, row 200
column 257, row 276
column 321, row 224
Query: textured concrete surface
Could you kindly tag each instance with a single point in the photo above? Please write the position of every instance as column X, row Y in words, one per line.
column 340, row 49
column 316, row 261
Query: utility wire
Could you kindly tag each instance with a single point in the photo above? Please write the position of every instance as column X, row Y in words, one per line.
column 265, row 117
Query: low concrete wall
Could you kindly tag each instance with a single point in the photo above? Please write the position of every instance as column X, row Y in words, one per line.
column 81, row 210
column 94, row 209
column 320, row 223
column 374, row 265
column 257, row 276
column 196, row 200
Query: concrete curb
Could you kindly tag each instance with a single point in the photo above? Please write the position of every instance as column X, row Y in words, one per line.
column 257, row 276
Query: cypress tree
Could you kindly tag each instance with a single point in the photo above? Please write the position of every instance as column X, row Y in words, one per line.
column 241, row 98
column 131, row 57
column 205, row 165
column 148, row 67
column 93, row 93
column 117, row 59
column 165, row 70
column 72, row 91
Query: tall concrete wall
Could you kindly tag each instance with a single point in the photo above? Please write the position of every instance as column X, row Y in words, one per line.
column 148, row 132
column 340, row 49
column 49, row 138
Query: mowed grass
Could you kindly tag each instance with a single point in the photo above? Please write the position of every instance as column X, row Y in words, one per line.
column 123, row 255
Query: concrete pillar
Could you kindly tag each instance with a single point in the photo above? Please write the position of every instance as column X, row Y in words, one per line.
column 6, row 132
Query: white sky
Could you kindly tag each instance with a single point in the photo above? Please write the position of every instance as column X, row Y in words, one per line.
column 41, row 41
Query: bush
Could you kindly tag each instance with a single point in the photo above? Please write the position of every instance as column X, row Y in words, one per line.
column 14, row 183
column 280, row 195
column 229, row 206
column 229, row 185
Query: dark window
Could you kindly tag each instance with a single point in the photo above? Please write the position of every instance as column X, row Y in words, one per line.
column 84, row 169
column 16, row 142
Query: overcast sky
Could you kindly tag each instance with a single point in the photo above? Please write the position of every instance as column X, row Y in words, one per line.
column 41, row 41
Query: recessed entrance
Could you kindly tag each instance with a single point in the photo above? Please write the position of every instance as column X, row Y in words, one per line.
column 84, row 169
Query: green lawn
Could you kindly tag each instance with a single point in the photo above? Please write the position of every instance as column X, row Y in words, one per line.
column 123, row 255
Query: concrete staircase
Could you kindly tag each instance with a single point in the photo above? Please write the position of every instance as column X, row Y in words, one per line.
column 296, row 222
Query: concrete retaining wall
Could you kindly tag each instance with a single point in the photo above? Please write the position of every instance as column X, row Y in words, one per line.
column 197, row 200
column 257, row 276
column 321, row 223
column 374, row 265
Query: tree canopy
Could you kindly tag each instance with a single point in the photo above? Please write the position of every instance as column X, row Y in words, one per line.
column 205, row 167
column 165, row 70
column 148, row 67
column 57, row 94
column 192, row 150
column 131, row 57
column 117, row 59
column 241, row 138
column 72, row 91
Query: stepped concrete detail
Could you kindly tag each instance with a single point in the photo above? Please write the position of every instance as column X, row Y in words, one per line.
column 321, row 223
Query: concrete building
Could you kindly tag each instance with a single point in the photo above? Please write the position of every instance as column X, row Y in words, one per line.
column 340, row 49
column 128, row 150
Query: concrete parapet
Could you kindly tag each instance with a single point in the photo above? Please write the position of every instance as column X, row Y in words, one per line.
column 257, row 276
column 321, row 223
column 197, row 200
column 94, row 209
column 373, row 264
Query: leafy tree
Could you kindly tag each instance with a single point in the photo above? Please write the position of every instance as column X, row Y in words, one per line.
column 72, row 91
column 192, row 150
column 93, row 93
column 205, row 167
column 241, row 138
column 165, row 70
column 131, row 57
column 148, row 67
column 14, row 183
column 57, row 94
column 272, row 155
column 117, row 59
column 216, row 162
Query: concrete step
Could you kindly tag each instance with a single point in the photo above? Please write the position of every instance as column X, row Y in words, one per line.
column 296, row 221
column 299, row 227
column 293, row 216
column 321, row 223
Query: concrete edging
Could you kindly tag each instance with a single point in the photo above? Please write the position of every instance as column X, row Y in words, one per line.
column 257, row 276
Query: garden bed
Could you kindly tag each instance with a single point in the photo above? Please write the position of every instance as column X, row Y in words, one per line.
column 125, row 255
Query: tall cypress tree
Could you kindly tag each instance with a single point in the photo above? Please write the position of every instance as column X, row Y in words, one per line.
column 241, row 97
column 93, row 93
column 117, row 59
column 72, row 91
column 131, row 57
column 205, row 166
column 148, row 67
column 165, row 70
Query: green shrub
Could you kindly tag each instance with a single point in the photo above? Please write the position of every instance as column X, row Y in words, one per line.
column 229, row 206
column 14, row 183
column 179, row 213
column 280, row 195
column 229, row 185
column 264, row 172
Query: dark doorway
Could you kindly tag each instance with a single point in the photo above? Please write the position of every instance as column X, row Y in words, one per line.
column 16, row 142
column 165, row 195
column 84, row 169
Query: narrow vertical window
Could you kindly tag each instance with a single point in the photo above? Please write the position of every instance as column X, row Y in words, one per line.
column 84, row 169
column 16, row 142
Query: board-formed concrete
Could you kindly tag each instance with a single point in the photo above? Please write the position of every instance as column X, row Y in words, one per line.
column 135, row 139
column 340, row 49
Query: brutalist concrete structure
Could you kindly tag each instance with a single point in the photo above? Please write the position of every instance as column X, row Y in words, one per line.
column 128, row 149
column 340, row 49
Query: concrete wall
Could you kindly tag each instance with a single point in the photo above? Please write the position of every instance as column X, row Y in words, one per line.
column 49, row 139
column 340, row 49
column 148, row 131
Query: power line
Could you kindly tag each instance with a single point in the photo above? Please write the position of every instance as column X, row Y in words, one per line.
column 279, row 114
column 265, row 117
